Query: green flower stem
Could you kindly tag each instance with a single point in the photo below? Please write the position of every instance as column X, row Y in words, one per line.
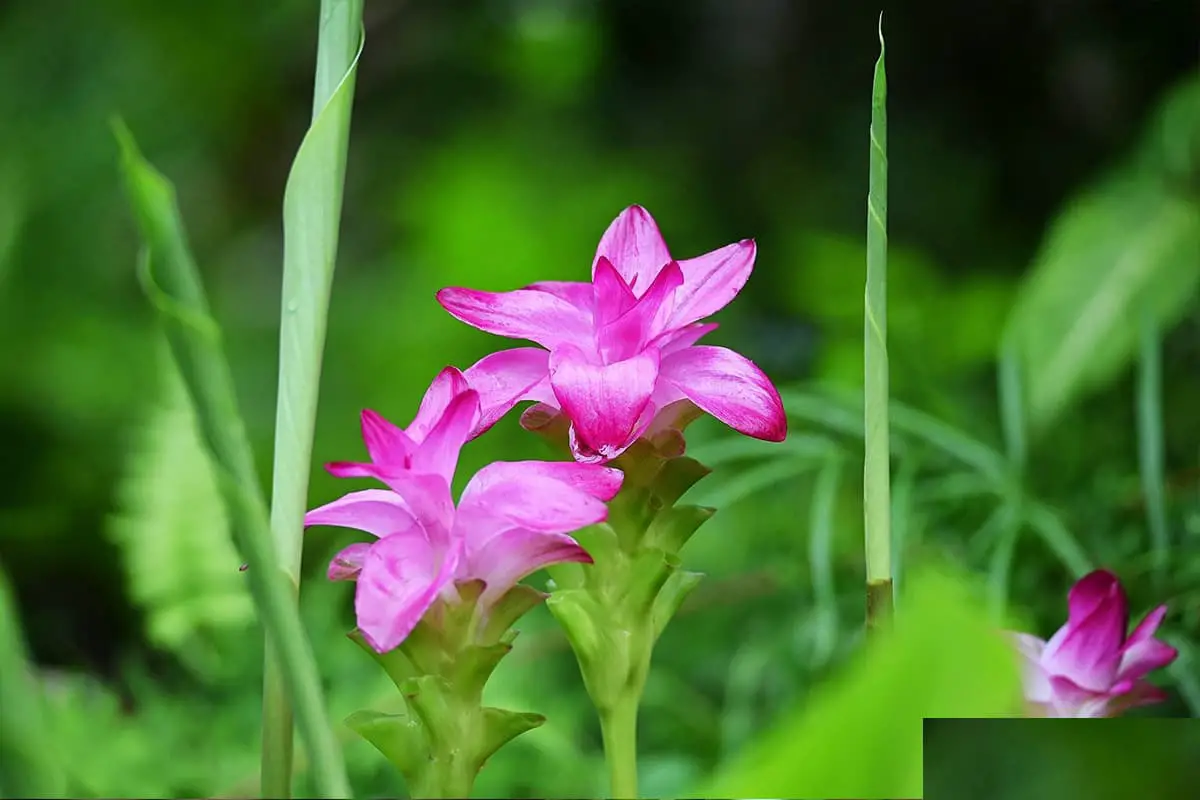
column 618, row 727
column 312, row 206
column 877, row 457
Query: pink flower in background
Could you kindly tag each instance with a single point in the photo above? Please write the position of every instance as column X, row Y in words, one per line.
column 1089, row 668
column 513, row 518
column 621, row 348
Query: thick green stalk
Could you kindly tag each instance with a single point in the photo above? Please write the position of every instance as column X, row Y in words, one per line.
column 618, row 728
column 172, row 282
column 1150, row 443
column 877, row 455
column 312, row 208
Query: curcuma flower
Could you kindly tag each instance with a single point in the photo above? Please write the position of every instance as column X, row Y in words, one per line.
column 620, row 349
column 513, row 517
column 1090, row 668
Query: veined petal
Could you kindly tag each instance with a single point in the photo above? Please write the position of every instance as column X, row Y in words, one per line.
column 1090, row 651
column 448, row 384
column 512, row 554
column 506, row 378
column 386, row 443
column 521, row 314
column 629, row 332
column 539, row 495
column 635, row 247
column 401, row 576
column 730, row 387
column 346, row 565
column 374, row 511
column 438, row 453
column 605, row 402
column 712, row 280
column 577, row 293
column 675, row 339
column 611, row 295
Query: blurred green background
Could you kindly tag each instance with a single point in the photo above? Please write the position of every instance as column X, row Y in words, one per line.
column 1045, row 231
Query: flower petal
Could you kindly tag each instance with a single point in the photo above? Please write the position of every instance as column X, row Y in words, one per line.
column 346, row 565
column 611, row 295
column 577, row 293
column 539, row 495
column 401, row 576
column 522, row 314
column 438, row 453
column 635, row 247
column 674, row 339
column 712, row 280
column 506, row 378
column 1143, row 653
column 375, row 511
column 605, row 402
column 1089, row 651
column 426, row 497
column 730, row 387
column 1090, row 591
column 631, row 330
column 386, row 443
column 448, row 384
column 1034, row 680
column 1073, row 700
column 512, row 554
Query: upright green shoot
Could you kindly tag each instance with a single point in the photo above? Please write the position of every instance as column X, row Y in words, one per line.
column 877, row 455
column 1150, row 443
column 312, row 208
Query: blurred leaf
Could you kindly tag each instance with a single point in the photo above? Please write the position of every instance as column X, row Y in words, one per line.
column 174, row 536
column 28, row 754
column 861, row 736
column 1123, row 250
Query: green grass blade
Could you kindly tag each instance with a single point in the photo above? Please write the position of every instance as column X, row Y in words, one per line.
column 312, row 209
column 171, row 280
column 28, row 767
column 1150, row 442
column 877, row 504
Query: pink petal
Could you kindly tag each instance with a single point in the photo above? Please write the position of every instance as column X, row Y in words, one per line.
column 540, row 495
column 1089, row 592
column 730, row 387
column 1142, row 693
column 1073, row 700
column 1090, row 650
column 1143, row 653
column 605, row 402
column 426, row 497
column 386, row 443
column 512, row 554
column 634, row 246
column 630, row 331
column 712, row 280
column 401, row 576
column 506, row 378
column 438, row 453
column 577, row 293
column 448, row 384
column 375, row 511
column 611, row 295
column 522, row 314
column 346, row 565
column 675, row 339
column 1034, row 680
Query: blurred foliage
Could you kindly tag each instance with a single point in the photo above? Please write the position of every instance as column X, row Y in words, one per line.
column 1044, row 209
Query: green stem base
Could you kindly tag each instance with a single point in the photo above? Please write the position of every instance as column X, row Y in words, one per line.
column 618, row 727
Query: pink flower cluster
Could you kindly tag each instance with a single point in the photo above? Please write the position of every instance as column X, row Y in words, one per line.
column 614, row 354
column 1090, row 667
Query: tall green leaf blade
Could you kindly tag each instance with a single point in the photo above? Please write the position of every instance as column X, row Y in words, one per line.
column 1125, row 252
column 861, row 735
column 28, row 766
column 172, row 281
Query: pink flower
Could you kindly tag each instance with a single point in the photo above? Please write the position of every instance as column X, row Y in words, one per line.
column 1089, row 668
column 513, row 517
column 623, row 347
